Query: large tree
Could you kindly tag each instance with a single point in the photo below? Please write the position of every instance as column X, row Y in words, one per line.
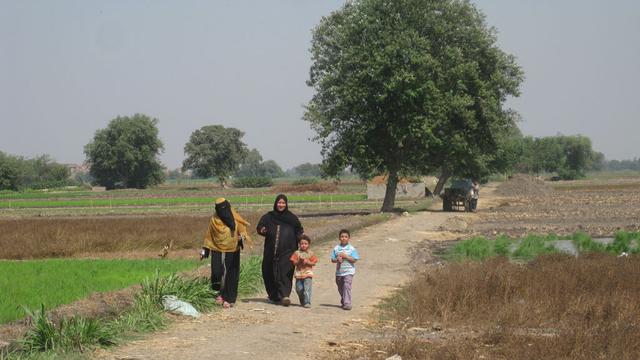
column 125, row 153
column 406, row 86
column 215, row 151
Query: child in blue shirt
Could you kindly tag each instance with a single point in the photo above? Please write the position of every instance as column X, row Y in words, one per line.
column 345, row 257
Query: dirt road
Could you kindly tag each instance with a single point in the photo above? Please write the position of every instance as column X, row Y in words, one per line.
column 256, row 329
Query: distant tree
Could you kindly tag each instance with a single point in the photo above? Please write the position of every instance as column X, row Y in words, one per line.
column 618, row 165
column 40, row 172
column 598, row 162
column 43, row 172
column 406, row 87
column 578, row 156
column 250, row 166
column 214, row 150
column 307, row 170
column 271, row 169
column 125, row 153
column 10, row 178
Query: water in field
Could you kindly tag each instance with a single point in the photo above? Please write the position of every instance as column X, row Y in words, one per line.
column 565, row 246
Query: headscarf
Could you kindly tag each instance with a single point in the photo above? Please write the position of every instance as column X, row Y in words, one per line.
column 223, row 210
column 220, row 237
column 286, row 216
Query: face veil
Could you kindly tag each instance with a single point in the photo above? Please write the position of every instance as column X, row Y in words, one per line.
column 223, row 210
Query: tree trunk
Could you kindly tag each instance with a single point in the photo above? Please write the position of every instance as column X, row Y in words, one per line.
column 444, row 177
column 390, row 193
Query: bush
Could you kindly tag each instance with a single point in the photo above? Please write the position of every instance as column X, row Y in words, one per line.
column 305, row 181
column 253, row 182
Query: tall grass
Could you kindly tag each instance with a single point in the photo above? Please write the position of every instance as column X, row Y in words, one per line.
column 250, row 276
column 58, row 281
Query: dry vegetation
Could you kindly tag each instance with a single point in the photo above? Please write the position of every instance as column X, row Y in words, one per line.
column 316, row 187
column 556, row 307
column 131, row 236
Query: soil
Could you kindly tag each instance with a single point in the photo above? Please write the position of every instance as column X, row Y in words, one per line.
column 599, row 208
column 524, row 185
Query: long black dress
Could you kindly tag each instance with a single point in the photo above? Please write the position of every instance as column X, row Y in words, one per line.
column 283, row 231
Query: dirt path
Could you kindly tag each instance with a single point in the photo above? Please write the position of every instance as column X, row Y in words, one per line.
column 256, row 329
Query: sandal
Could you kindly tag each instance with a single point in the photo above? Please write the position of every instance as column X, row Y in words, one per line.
column 219, row 300
column 226, row 305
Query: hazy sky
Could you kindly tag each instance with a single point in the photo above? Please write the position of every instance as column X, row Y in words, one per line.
column 68, row 67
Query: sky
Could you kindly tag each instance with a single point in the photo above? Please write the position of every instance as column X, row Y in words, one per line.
column 69, row 67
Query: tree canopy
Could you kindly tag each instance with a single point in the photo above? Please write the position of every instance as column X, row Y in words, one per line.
column 17, row 173
column 254, row 166
column 214, row 150
column 568, row 156
column 407, row 86
column 125, row 153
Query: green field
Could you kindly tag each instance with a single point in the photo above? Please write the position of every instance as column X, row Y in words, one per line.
column 61, row 281
column 102, row 202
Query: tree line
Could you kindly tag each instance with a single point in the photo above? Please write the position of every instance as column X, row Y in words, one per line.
column 125, row 155
column 17, row 172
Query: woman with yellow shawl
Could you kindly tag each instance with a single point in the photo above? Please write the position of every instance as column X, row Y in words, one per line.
column 226, row 237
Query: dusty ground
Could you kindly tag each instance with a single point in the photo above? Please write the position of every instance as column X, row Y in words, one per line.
column 599, row 208
column 255, row 329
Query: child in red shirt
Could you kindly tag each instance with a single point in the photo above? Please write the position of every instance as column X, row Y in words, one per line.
column 304, row 260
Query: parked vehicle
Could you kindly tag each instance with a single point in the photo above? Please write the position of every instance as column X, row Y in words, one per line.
column 458, row 196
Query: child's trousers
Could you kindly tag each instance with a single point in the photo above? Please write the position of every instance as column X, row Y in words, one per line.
column 344, row 288
column 303, row 289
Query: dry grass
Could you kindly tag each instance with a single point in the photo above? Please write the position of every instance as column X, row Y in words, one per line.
column 556, row 307
column 132, row 236
column 316, row 187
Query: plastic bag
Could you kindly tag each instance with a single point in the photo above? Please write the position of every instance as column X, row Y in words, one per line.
column 175, row 305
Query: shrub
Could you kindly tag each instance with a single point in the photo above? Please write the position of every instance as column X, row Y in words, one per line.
column 253, row 182
column 532, row 246
column 304, row 181
column 73, row 334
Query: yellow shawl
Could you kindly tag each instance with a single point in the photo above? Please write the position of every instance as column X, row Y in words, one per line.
column 219, row 237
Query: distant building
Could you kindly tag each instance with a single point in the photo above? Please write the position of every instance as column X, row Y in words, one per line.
column 78, row 169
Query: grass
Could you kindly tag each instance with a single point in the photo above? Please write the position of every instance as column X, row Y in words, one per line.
column 531, row 246
column 160, row 201
column 554, row 307
column 70, row 337
column 60, row 281
column 534, row 245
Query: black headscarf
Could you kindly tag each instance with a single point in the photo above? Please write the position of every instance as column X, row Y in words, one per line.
column 285, row 216
column 223, row 210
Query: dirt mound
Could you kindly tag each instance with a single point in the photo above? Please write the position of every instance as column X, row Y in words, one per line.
column 523, row 185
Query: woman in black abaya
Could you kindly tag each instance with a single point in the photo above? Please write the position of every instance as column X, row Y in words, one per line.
column 282, row 231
